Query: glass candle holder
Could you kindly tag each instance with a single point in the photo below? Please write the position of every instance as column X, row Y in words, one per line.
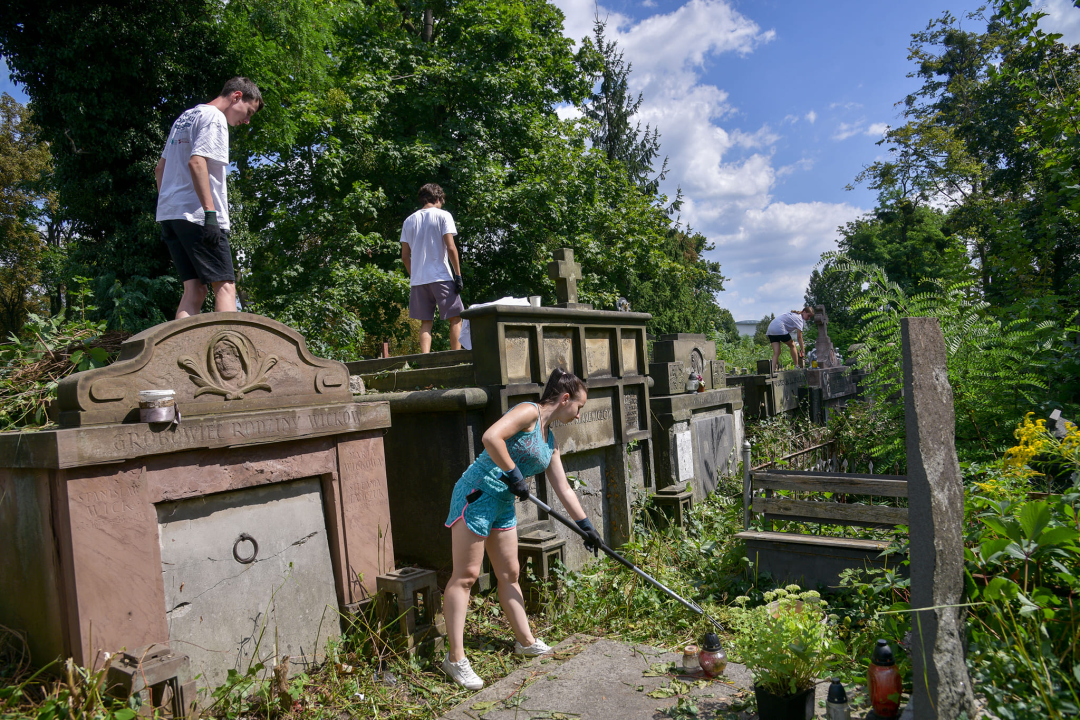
column 712, row 658
column 690, row 663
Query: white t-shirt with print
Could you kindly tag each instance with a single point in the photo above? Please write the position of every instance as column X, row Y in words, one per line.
column 785, row 324
column 423, row 231
column 203, row 131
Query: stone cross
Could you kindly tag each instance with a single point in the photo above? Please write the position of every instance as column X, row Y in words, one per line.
column 826, row 353
column 565, row 272
column 942, row 686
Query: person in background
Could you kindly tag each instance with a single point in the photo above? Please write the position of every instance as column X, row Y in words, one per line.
column 434, row 267
column 193, row 202
column 779, row 333
column 482, row 516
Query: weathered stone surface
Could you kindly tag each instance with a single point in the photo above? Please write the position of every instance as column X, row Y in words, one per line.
column 215, row 362
column 599, row 345
column 445, row 358
column 701, row 416
column 222, row 596
column 714, row 448
column 594, row 427
column 422, row 378
column 942, row 687
column 765, row 396
column 565, row 272
column 694, row 351
column 670, row 378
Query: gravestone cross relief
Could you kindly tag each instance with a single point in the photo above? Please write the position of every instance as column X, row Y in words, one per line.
column 942, row 686
column 565, row 272
column 826, row 353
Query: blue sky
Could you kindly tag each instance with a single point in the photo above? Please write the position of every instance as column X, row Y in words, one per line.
column 767, row 109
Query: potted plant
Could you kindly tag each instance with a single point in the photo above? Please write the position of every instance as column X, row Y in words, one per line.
column 786, row 645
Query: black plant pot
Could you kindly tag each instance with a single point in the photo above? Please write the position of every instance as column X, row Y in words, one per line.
column 799, row 706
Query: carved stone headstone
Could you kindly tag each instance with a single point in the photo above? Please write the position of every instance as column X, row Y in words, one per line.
column 565, row 272
column 826, row 353
column 942, row 686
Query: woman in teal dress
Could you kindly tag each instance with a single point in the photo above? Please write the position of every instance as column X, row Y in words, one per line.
column 482, row 515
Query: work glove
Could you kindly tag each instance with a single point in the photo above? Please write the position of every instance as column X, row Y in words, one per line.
column 212, row 234
column 516, row 482
column 459, row 284
column 593, row 541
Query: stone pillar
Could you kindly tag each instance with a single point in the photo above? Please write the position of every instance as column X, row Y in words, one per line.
column 942, row 687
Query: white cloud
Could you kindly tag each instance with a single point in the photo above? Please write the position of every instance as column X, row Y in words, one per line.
column 847, row 130
column 766, row 247
column 876, row 130
column 1061, row 17
column 845, row 105
column 648, row 3
column 568, row 112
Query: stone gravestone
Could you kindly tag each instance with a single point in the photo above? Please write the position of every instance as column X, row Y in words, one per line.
column 699, row 430
column 942, row 686
column 240, row 533
column 565, row 272
column 826, row 353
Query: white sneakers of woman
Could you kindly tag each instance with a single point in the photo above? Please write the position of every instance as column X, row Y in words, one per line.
column 462, row 673
column 537, row 649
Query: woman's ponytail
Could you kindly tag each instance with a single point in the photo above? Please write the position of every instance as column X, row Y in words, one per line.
column 560, row 382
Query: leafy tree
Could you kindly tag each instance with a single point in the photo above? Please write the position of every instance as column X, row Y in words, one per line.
column 761, row 331
column 997, row 368
column 106, row 80
column 612, row 107
column 24, row 164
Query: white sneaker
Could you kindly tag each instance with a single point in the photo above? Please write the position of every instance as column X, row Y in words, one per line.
column 537, row 649
column 462, row 673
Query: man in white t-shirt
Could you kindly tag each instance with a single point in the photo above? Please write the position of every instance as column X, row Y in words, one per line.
column 431, row 259
column 779, row 333
column 193, row 202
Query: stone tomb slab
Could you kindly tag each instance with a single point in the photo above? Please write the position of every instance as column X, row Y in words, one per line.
column 248, row 577
column 599, row 679
column 715, row 448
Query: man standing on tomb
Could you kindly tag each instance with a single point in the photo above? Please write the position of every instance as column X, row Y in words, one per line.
column 193, row 204
column 779, row 333
column 434, row 267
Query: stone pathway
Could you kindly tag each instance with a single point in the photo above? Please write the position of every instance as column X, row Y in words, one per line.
column 597, row 679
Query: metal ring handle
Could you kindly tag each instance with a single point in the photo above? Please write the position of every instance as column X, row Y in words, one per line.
column 236, row 546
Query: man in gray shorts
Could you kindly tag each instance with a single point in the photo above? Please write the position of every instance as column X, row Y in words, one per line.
column 434, row 267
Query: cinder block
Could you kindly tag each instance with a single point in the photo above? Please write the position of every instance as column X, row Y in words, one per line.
column 410, row 608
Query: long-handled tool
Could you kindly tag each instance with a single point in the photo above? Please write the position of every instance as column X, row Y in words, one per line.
column 688, row 604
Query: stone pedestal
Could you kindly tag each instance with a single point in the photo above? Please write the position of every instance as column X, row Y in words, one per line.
column 256, row 517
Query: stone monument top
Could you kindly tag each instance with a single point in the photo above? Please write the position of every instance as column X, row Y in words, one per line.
column 215, row 363
column 826, row 353
column 565, row 272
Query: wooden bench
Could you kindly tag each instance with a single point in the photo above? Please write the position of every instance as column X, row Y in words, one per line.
column 813, row 560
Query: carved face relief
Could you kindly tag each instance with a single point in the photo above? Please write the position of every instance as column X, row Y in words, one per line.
column 697, row 361
column 233, row 367
column 227, row 360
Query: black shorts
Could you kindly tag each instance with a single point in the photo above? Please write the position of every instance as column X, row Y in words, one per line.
column 785, row 338
column 193, row 260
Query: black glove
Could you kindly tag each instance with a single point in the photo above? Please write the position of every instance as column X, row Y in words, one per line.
column 516, row 482
column 593, row 541
column 459, row 284
column 212, row 234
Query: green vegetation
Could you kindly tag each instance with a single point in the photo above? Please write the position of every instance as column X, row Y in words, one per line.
column 361, row 109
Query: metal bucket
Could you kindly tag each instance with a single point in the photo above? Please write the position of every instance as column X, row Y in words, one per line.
column 156, row 406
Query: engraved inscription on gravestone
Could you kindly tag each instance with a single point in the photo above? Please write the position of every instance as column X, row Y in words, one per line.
column 594, row 426
column 684, row 454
